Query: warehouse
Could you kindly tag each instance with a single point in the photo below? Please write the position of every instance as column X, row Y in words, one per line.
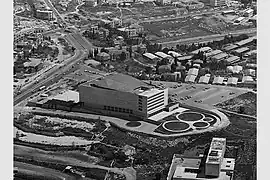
column 240, row 51
column 232, row 60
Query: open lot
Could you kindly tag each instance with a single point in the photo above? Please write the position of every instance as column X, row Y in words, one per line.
column 202, row 94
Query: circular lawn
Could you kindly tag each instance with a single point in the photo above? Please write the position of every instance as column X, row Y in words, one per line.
column 133, row 124
column 176, row 126
column 201, row 125
column 190, row 116
column 208, row 119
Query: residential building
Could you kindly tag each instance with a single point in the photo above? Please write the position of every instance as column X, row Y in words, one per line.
column 213, row 53
column 193, row 71
column 203, row 49
column 190, row 78
column 234, row 69
column 202, row 167
column 174, row 54
column 232, row 81
column 240, row 51
column 44, row 14
column 119, row 94
column 163, row 2
column 103, row 56
column 218, row 80
column 246, row 79
column 204, row 79
column 152, row 57
column 232, row 60
column 219, row 57
column 251, row 66
column 218, row 2
column 248, row 13
column 176, row 76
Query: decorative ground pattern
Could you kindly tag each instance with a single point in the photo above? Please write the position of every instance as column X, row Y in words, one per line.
column 185, row 121
column 190, row 116
column 176, row 126
column 133, row 124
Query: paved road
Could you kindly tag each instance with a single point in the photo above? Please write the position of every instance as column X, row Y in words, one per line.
column 208, row 38
column 56, row 13
column 39, row 170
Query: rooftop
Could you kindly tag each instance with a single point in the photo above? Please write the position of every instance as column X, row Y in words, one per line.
column 220, row 56
column 120, row 82
column 150, row 55
column 216, row 151
column 162, row 55
column 241, row 50
column 214, row 52
column 203, row 49
column 67, row 96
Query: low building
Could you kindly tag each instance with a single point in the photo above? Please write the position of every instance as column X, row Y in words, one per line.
column 213, row 53
column 248, row 13
column 215, row 3
column 44, row 14
column 184, row 58
column 34, row 65
column 240, row 20
column 193, row 71
column 202, row 166
column 232, row 81
column 167, row 57
column 250, row 72
column 164, row 2
column 246, row 79
column 251, row 66
column 204, row 79
column 203, row 49
column 90, row 3
column 246, row 41
column 172, row 106
column 240, row 51
column 219, row 57
column 174, row 54
column 152, row 57
column 218, row 80
column 190, row 78
column 234, row 69
column 176, row 76
column 230, row 47
column 103, row 56
column 232, row 60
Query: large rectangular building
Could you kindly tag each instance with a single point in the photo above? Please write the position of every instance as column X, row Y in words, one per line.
column 215, row 157
column 123, row 95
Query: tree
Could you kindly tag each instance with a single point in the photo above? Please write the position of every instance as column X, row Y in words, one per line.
column 165, row 50
column 123, row 56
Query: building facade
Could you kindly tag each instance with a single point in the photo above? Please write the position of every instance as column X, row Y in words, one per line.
column 123, row 95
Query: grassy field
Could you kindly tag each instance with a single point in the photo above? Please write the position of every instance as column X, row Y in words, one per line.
column 248, row 101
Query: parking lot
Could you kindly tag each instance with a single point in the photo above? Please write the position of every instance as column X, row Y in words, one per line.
column 200, row 93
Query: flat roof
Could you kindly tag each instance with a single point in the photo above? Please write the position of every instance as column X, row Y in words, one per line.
column 183, row 58
column 204, row 79
column 241, row 50
column 203, row 49
column 232, row 80
column 193, row 71
column 120, row 82
column 216, row 151
column 230, row 47
column 150, row 55
column 163, row 55
column 174, row 54
column 218, row 80
column 67, row 96
column 190, row 78
column 232, row 58
column 246, row 41
column 220, row 56
column 247, row 79
column 214, row 52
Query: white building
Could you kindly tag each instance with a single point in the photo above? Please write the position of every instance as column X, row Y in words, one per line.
column 118, row 94
column 248, row 13
column 218, row 2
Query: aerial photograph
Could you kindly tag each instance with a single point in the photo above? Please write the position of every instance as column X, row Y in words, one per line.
column 134, row 89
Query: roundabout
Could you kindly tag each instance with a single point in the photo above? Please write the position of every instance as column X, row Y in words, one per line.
column 176, row 126
column 190, row 116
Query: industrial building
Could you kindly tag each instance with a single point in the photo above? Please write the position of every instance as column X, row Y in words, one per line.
column 119, row 94
column 202, row 167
